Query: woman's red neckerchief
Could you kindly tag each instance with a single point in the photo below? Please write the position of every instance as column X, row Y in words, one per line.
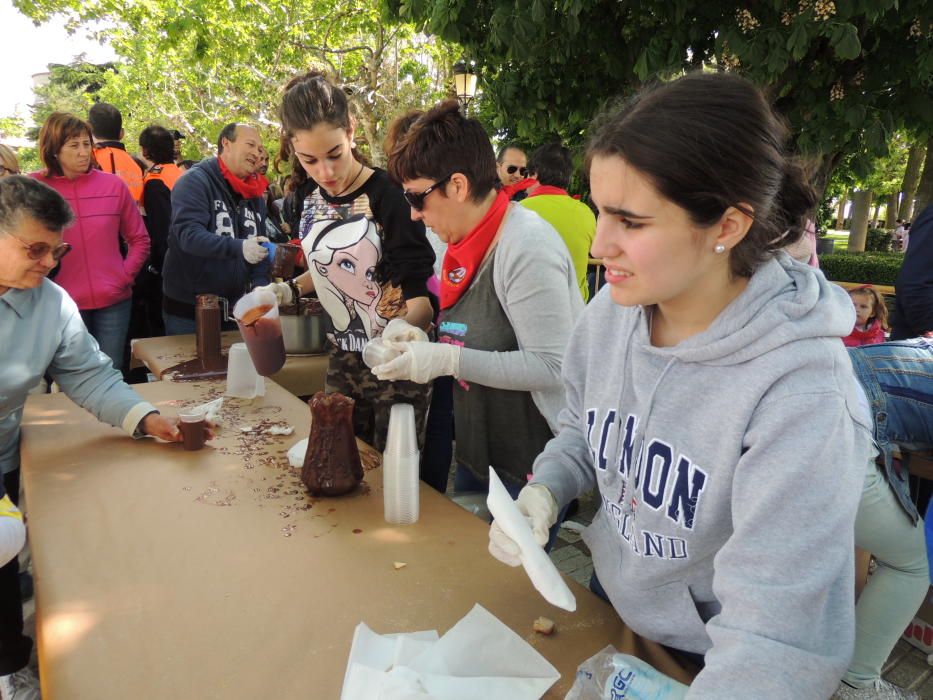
column 464, row 257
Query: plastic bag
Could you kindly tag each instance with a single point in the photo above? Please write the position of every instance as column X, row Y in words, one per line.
column 610, row 675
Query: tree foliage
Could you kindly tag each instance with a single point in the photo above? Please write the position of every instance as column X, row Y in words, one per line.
column 846, row 74
column 197, row 65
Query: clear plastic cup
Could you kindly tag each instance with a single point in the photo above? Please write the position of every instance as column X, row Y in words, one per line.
column 401, row 441
column 400, row 468
column 242, row 379
column 376, row 353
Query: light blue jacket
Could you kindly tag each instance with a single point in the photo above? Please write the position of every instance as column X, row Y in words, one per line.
column 41, row 330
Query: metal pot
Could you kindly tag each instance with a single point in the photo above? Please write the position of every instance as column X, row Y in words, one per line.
column 304, row 334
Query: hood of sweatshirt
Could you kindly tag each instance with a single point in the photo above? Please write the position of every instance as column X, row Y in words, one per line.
column 784, row 301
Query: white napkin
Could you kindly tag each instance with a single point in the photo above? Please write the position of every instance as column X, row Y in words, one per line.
column 296, row 454
column 211, row 410
column 479, row 657
column 538, row 565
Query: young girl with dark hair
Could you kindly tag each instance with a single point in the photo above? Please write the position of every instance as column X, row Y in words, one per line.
column 710, row 401
column 318, row 131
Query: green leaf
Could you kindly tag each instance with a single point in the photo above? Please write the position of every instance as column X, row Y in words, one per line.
column 798, row 42
column 641, row 66
column 537, row 11
column 847, row 46
column 855, row 116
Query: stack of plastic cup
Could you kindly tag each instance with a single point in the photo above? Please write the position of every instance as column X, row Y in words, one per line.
column 400, row 467
column 376, row 353
column 242, row 379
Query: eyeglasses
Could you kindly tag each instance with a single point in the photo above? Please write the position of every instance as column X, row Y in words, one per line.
column 416, row 199
column 37, row 251
column 511, row 170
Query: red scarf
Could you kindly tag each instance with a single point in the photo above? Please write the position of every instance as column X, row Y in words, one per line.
column 248, row 187
column 548, row 189
column 521, row 185
column 463, row 258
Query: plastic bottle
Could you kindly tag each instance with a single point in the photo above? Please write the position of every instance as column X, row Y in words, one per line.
column 634, row 679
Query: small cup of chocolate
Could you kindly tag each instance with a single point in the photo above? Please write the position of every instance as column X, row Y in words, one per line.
column 193, row 426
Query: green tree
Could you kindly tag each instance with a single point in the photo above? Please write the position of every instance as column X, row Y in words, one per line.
column 846, row 74
column 198, row 65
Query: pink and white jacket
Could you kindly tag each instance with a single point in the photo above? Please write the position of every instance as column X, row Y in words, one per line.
column 95, row 273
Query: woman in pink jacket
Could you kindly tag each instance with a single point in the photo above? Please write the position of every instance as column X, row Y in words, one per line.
column 96, row 274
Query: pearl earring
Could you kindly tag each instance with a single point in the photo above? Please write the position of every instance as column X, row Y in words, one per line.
column 353, row 144
column 720, row 248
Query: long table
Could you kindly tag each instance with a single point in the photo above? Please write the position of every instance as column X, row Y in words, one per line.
column 162, row 573
column 302, row 375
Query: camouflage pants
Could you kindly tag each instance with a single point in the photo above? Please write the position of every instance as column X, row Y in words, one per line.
column 348, row 375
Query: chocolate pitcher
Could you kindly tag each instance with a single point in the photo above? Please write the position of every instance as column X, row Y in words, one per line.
column 332, row 463
column 207, row 318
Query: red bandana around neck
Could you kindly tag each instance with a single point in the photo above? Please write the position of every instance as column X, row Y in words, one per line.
column 463, row 258
column 247, row 187
column 547, row 189
column 520, row 186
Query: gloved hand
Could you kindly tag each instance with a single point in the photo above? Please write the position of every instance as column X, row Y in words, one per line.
column 421, row 362
column 282, row 291
column 401, row 331
column 538, row 505
column 253, row 249
column 12, row 531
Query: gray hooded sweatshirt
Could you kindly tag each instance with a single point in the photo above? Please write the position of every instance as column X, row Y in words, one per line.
column 729, row 469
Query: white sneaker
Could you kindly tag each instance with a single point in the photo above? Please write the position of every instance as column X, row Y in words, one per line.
column 22, row 685
column 879, row 690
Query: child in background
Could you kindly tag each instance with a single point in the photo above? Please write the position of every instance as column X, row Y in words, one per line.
column 871, row 317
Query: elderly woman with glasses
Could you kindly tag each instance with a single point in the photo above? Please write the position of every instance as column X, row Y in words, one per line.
column 97, row 276
column 49, row 337
column 509, row 299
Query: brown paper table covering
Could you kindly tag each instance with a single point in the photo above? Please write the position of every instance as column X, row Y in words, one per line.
column 162, row 573
column 302, row 375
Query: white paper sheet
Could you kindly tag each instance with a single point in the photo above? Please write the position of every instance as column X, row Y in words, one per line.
column 538, row 565
column 479, row 657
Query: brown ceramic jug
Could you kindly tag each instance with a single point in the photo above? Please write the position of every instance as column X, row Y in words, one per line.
column 332, row 462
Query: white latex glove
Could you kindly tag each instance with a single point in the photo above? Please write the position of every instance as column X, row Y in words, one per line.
column 12, row 531
column 401, row 331
column 282, row 291
column 254, row 251
column 538, row 505
column 421, row 362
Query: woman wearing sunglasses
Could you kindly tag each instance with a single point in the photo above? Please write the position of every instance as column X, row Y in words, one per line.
column 509, row 299
column 49, row 337
column 97, row 276
column 318, row 135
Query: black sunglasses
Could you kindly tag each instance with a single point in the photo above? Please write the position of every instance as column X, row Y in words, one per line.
column 416, row 199
column 37, row 251
column 512, row 168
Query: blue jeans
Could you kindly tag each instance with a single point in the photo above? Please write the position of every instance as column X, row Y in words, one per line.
column 178, row 325
column 108, row 326
column 465, row 481
column 898, row 380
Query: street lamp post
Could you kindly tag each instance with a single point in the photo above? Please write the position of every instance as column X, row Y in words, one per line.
column 465, row 84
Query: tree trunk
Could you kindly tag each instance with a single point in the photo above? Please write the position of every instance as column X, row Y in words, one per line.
column 874, row 217
column 911, row 177
column 858, row 227
column 841, row 211
column 925, row 189
column 891, row 212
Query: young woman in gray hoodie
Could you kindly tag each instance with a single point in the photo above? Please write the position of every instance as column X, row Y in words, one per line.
column 710, row 401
